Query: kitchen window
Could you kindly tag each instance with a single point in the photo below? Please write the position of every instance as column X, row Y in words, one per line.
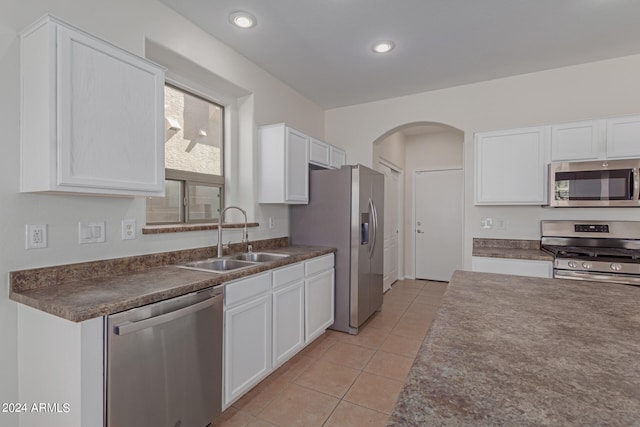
column 194, row 141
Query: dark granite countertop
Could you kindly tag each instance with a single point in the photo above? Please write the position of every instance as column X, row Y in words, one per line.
column 520, row 351
column 78, row 299
column 509, row 248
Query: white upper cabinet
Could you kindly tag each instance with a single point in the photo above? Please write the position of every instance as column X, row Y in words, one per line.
column 616, row 138
column 283, row 165
column 338, row 157
column 623, row 137
column 319, row 152
column 577, row 141
column 511, row 167
column 92, row 115
column 326, row 155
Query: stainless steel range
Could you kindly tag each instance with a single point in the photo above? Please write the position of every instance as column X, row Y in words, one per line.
column 606, row 251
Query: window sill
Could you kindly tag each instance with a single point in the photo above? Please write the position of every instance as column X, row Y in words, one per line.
column 180, row 228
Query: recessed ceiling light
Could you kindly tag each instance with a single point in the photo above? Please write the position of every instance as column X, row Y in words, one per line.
column 242, row 20
column 383, row 46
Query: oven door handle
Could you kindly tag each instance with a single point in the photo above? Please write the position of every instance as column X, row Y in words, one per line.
column 636, row 184
column 599, row 277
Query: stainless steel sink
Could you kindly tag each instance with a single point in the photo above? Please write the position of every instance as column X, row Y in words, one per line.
column 218, row 265
column 258, row 256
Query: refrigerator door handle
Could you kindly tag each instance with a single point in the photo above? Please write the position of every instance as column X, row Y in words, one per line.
column 374, row 227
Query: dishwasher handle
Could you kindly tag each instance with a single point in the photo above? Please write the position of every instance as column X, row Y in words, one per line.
column 129, row 327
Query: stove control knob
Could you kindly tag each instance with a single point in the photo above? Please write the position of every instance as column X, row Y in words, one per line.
column 573, row 264
column 586, row 265
column 616, row 267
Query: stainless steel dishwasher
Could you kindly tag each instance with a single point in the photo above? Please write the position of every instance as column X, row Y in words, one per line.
column 163, row 363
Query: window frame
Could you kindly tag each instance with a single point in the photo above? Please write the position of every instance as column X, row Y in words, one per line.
column 185, row 177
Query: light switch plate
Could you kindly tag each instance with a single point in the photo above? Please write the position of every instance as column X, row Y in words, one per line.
column 91, row 232
column 486, row 222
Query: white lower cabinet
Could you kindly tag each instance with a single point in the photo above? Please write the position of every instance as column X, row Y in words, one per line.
column 518, row 267
column 270, row 317
column 288, row 312
column 319, row 287
column 288, row 322
column 247, row 334
column 247, row 342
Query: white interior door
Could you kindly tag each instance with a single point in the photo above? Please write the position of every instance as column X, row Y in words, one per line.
column 391, row 227
column 438, row 199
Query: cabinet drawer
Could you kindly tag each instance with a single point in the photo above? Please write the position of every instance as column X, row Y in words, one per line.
column 243, row 289
column 288, row 274
column 319, row 264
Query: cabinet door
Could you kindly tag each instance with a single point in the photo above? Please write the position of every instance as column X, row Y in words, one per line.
column 110, row 116
column 623, row 137
column 511, row 167
column 288, row 322
column 247, row 346
column 518, row 267
column 338, row 158
column 319, row 294
column 318, row 152
column 296, row 167
column 92, row 115
column 577, row 141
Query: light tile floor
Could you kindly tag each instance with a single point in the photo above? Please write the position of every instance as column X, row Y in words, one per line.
column 346, row 380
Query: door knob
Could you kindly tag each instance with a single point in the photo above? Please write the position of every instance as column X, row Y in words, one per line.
column 419, row 231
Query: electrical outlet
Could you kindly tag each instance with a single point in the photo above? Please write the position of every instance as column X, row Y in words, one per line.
column 272, row 223
column 486, row 222
column 128, row 229
column 36, row 236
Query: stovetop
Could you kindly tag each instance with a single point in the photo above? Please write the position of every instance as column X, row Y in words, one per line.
column 594, row 250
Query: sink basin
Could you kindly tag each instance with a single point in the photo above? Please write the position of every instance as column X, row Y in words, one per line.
column 258, row 256
column 218, row 265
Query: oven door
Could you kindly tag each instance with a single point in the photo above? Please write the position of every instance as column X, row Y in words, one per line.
column 595, row 184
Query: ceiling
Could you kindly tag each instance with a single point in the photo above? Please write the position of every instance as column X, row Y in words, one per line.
column 321, row 48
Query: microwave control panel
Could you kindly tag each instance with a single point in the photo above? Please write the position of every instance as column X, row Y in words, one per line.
column 591, row 228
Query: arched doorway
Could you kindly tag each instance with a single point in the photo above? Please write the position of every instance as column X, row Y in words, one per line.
column 423, row 166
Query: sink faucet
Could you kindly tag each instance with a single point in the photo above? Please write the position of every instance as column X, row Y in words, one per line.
column 245, row 236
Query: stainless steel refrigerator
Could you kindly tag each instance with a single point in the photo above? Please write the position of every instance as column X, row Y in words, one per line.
column 346, row 211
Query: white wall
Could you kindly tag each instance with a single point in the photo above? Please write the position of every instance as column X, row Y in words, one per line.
column 127, row 24
column 594, row 90
column 390, row 149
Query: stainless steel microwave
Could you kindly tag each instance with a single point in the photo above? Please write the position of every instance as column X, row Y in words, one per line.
column 602, row 183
